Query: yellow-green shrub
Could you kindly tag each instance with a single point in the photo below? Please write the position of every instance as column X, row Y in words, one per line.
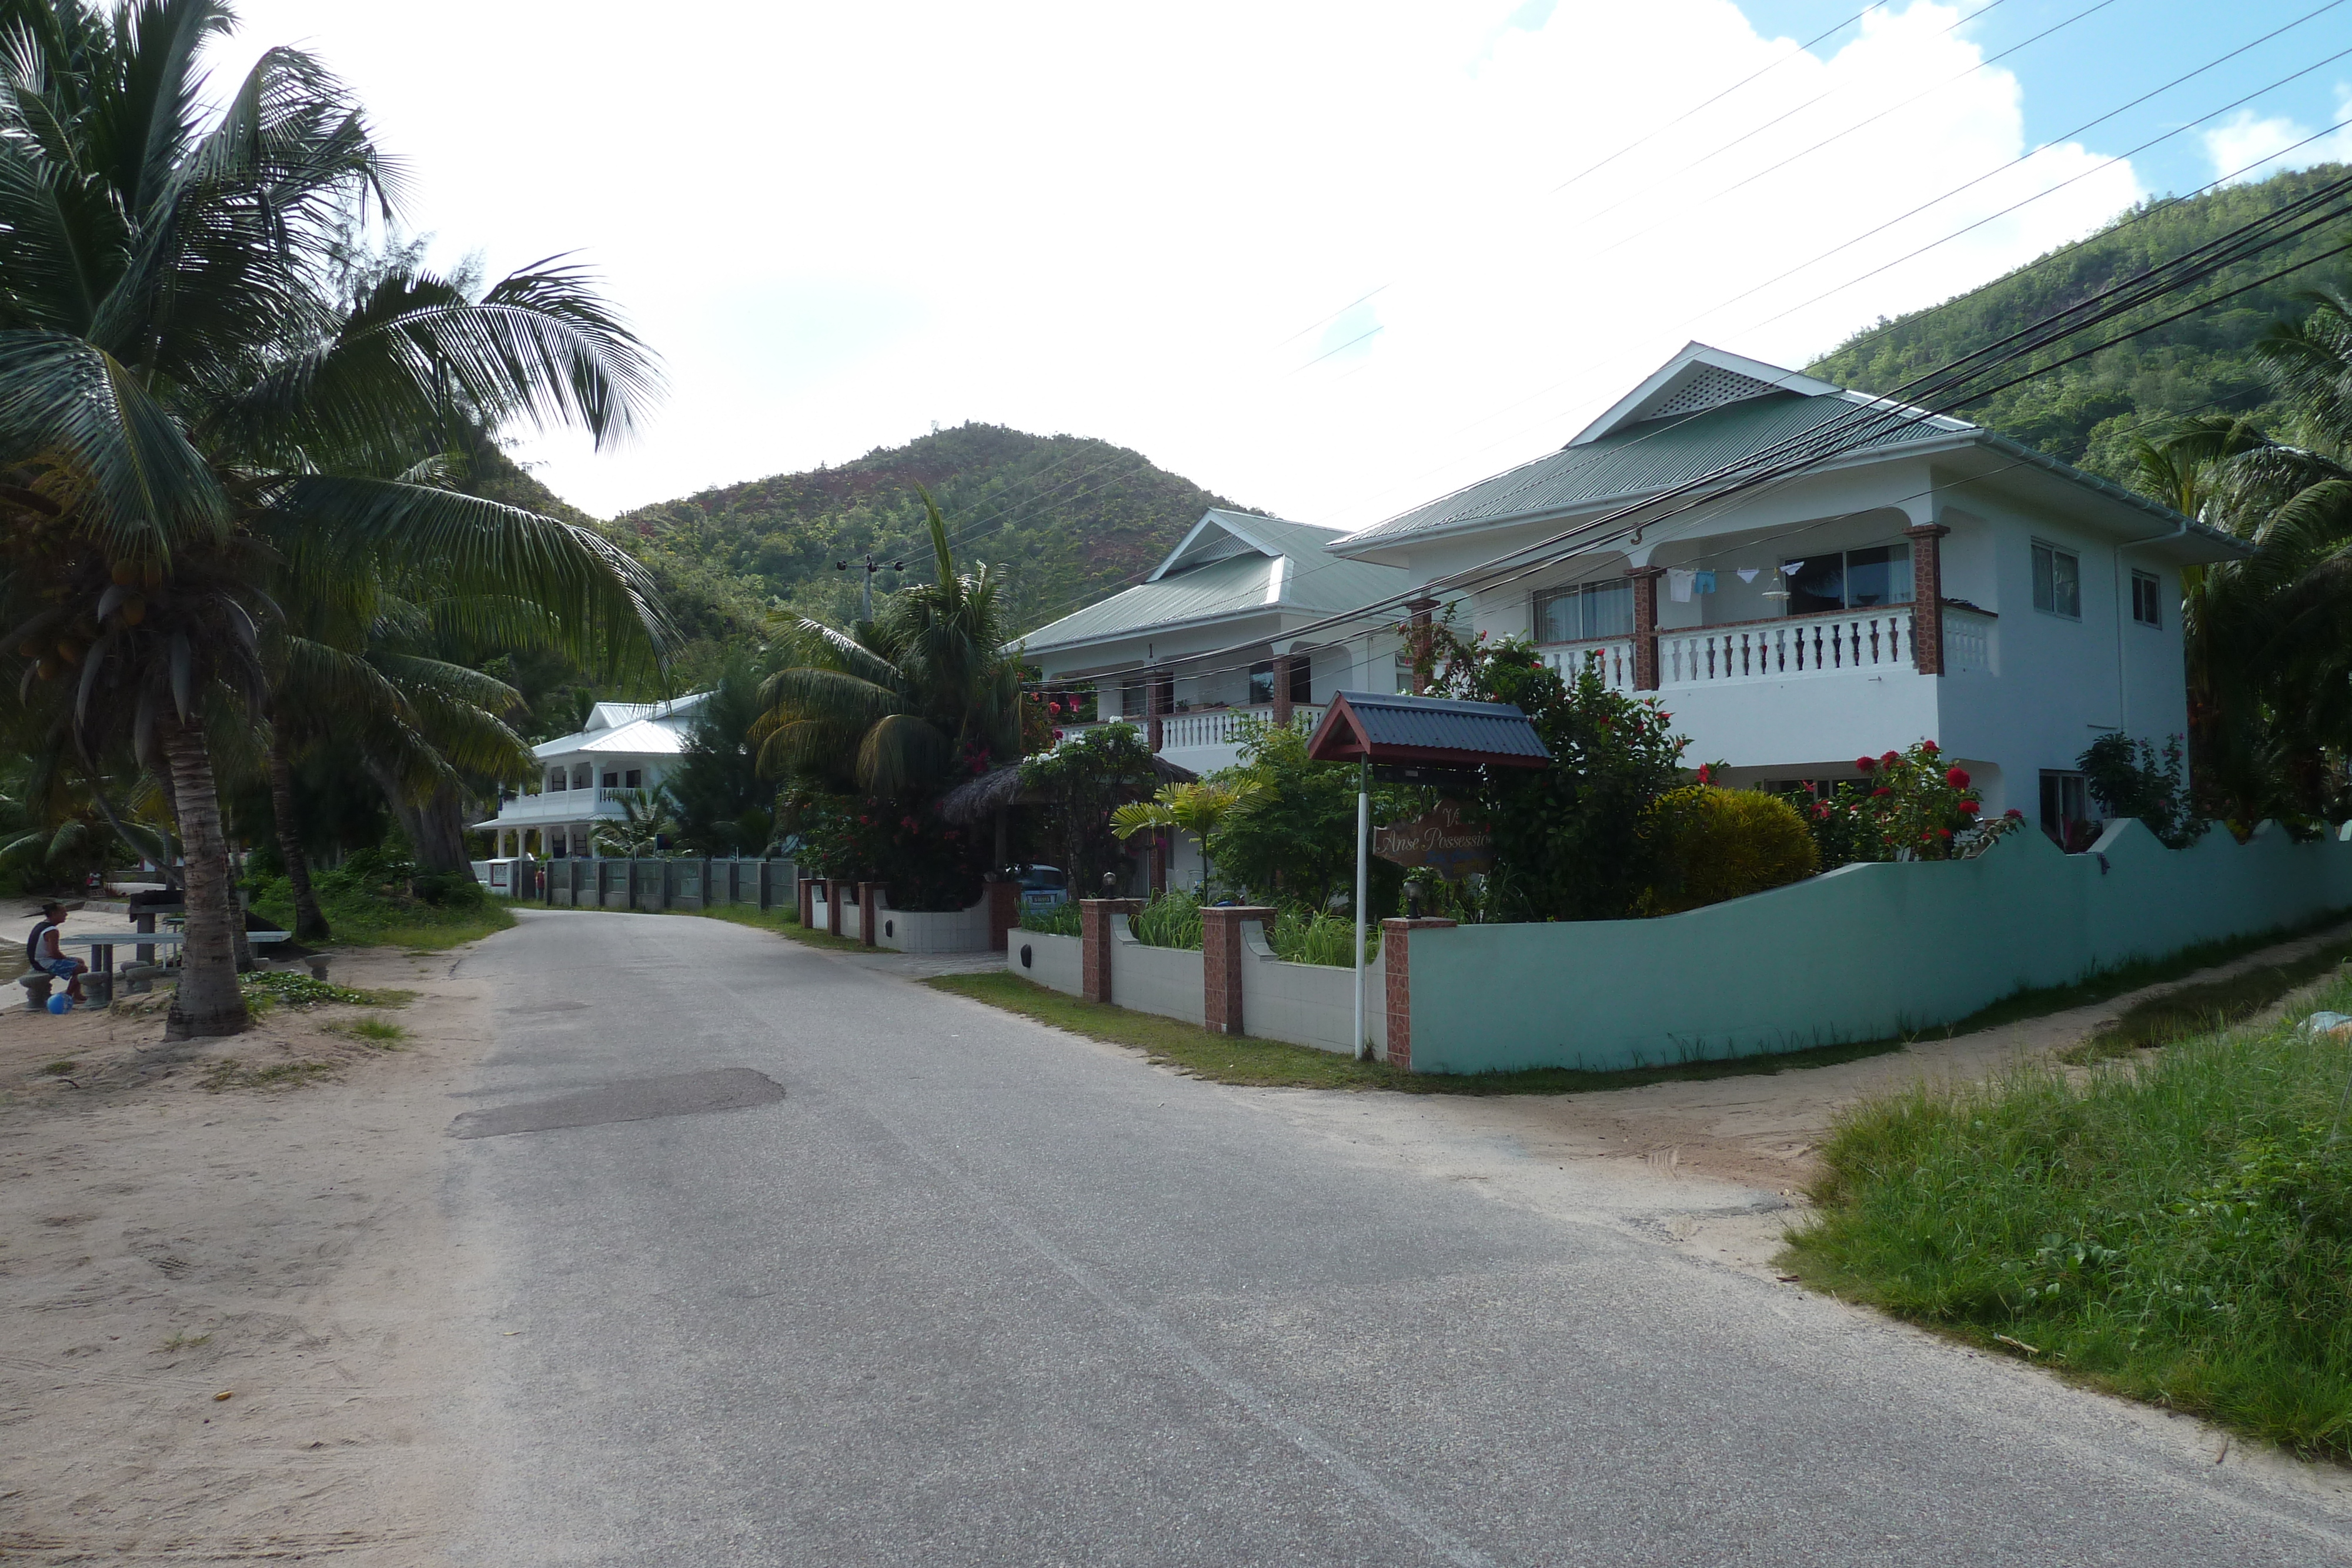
column 1724, row 843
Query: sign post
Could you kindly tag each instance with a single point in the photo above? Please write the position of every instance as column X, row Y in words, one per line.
column 1363, row 894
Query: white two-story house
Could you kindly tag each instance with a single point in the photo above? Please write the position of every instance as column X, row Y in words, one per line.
column 625, row 745
column 1237, row 621
column 1940, row 582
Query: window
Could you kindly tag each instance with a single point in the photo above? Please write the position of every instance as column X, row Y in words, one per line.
column 2147, row 598
column 634, row 778
column 612, row 781
column 1131, row 697
column 1586, row 612
column 2066, row 812
column 1849, row 580
column 1302, row 681
column 2057, row 582
column 557, row 779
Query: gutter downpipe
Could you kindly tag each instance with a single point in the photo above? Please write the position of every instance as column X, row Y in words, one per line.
column 2116, row 587
column 1363, row 832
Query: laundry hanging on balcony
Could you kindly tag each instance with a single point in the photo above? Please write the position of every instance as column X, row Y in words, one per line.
column 1748, row 573
column 1792, row 568
column 1681, row 583
column 1703, row 582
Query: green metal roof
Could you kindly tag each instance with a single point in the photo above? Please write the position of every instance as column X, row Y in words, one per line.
column 1273, row 565
column 1654, row 454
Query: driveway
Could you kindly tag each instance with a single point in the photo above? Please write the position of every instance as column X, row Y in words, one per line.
column 973, row 1290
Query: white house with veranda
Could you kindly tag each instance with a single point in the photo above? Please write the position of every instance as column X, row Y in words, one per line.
column 624, row 747
column 1939, row 581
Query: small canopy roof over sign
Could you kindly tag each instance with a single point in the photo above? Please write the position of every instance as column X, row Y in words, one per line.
column 1365, row 726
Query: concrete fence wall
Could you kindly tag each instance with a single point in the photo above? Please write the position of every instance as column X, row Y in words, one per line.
column 1309, row 1004
column 934, row 931
column 1163, row 980
column 1866, row 952
column 1049, row 959
column 656, row 884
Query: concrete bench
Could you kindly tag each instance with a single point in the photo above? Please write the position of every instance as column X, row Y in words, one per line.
column 37, row 987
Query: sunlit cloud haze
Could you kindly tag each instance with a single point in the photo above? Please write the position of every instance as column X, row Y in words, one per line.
column 841, row 224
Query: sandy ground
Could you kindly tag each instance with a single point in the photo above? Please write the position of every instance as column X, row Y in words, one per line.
column 228, row 1334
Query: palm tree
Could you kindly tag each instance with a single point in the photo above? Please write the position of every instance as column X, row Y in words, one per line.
column 922, row 693
column 1195, row 808
column 196, row 419
column 647, row 817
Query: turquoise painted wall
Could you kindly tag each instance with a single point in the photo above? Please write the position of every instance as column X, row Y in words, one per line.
column 1866, row 952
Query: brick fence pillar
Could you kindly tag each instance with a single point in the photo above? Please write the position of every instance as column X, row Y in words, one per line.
column 1094, row 937
column 1222, row 961
column 868, row 896
column 833, row 887
column 804, row 890
column 1927, row 596
column 1396, row 962
column 1004, row 911
column 1645, row 625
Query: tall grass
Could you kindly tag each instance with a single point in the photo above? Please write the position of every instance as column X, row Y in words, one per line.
column 1300, row 936
column 1171, row 919
column 1055, row 920
column 2177, row 1229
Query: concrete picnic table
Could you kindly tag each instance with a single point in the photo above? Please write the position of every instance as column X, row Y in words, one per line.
column 102, row 944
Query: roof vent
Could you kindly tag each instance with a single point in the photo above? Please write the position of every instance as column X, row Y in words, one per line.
column 1708, row 386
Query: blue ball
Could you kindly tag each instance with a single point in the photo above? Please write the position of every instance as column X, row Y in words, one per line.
column 61, row 1003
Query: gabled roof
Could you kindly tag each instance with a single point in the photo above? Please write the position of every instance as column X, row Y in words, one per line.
column 629, row 730
column 1376, row 727
column 1696, row 380
column 1229, row 564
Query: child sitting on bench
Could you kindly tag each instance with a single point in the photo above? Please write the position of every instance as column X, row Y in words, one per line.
column 41, row 948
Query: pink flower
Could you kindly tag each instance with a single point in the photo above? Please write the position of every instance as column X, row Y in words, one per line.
column 1705, row 773
column 1958, row 778
column 1821, row 813
column 1928, row 746
column 1864, row 764
column 906, row 823
column 1057, row 735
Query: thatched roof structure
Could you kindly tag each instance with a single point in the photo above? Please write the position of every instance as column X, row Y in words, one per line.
column 977, row 800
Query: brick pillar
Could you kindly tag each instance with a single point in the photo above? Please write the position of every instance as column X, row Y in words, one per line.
column 869, row 897
column 806, row 894
column 833, row 887
column 1223, row 957
column 1417, row 642
column 1094, row 937
column 1396, row 964
column 1282, row 691
column 1645, row 625
column 1151, row 709
column 1159, row 860
column 1004, row 911
column 1927, row 596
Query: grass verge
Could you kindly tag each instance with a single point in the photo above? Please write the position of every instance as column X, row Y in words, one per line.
column 1267, row 1064
column 2211, row 1005
column 268, row 988
column 2178, row 1231
column 230, row 1073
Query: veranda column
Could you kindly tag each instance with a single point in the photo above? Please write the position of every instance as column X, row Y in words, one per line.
column 1927, row 596
column 1282, row 691
column 1417, row 641
column 1151, row 722
column 1645, row 625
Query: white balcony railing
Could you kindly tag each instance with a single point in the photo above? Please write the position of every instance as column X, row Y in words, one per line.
column 1206, row 727
column 1843, row 643
column 580, row 805
column 1612, row 657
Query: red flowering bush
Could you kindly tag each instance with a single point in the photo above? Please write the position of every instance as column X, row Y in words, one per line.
column 1905, row 808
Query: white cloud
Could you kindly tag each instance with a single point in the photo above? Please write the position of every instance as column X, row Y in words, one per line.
column 2250, row 147
column 842, row 222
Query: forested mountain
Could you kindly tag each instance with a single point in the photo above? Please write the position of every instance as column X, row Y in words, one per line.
column 1066, row 521
column 2089, row 412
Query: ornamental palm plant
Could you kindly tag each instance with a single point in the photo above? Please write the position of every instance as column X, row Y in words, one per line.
column 200, row 422
column 893, row 708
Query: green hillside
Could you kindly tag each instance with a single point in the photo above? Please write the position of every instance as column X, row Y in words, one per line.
column 1065, row 518
column 2088, row 413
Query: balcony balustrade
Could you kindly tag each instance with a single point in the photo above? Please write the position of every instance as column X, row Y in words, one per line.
column 1848, row 641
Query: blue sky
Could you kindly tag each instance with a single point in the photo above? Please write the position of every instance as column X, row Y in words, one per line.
column 2091, row 65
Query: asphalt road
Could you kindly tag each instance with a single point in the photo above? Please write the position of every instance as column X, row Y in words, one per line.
column 972, row 1291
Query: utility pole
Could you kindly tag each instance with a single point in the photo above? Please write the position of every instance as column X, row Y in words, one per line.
column 871, row 566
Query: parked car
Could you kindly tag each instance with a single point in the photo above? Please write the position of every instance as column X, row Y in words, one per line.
column 1044, row 886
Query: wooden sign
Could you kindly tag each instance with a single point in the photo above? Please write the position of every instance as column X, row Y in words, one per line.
column 1441, row 842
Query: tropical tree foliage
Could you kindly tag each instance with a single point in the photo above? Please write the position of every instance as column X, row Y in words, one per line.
column 724, row 805
column 202, row 420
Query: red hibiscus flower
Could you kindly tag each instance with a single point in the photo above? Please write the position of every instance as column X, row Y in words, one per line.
column 1928, row 746
column 1864, row 764
column 1706, row 773
column 1943, row 833
column 2014, row 815
column 1958, row 778
column 1820, row 813
column 1882, row 789
column 1057, row 735
column 1969, row 807
column 1890, row 759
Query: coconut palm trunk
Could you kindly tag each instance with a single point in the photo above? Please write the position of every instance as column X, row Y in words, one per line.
column 208, row 1002
column 310, row 921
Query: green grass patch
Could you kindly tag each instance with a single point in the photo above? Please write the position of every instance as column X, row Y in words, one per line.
column 377, row 1031
column 285, row 988
column 60, row 1069
column 230, row 1073
column 2178, row 1231
column 362, row 917
column 2206, row 1006
column 1267, row 1064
